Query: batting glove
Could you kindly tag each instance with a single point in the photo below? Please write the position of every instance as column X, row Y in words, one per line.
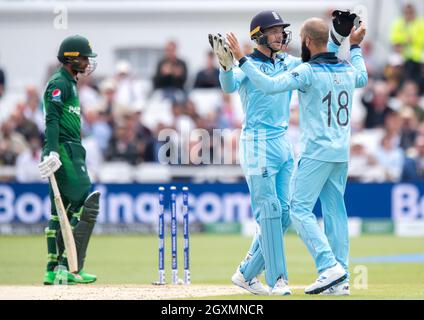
column 49, row 165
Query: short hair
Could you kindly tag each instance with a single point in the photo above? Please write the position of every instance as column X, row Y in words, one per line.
column 317, row 30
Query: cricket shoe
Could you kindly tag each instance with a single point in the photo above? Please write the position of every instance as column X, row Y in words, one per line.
column 253, row 286
column 86, row 277
column 64, row 277
column 327, row 279
column 280, row 288
column 49, row 277
column 341, row 289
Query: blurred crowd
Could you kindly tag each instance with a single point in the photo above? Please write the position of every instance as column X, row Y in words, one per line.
column 123, row 117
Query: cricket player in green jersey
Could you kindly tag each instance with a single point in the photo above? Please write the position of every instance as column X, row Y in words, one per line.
column 64, row 156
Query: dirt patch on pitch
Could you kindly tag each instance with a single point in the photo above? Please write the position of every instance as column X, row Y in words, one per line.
column 115, row 292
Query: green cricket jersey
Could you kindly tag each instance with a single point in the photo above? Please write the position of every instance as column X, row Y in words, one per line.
column 62, row 111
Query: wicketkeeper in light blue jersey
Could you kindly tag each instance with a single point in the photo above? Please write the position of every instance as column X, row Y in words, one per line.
column 265, row 152
column 325, row 85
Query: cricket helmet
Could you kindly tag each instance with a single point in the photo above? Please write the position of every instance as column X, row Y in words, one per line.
column 264, row 20
column 74, row 47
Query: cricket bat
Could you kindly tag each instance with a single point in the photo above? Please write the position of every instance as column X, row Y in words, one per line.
column 65, row 226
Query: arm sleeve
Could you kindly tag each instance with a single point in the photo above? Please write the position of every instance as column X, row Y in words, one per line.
column 296, row 61
column 298, row 78
column 54, row 105
column 361, row 75
column 332, row 47
column 230, row 81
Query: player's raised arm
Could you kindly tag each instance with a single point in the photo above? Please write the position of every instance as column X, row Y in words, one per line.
column 356, row 37
column 341, row 25
column 230, row 81
column 229, row 77
column 297, row 79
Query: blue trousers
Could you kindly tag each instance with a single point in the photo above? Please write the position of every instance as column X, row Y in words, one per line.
column 315, row 179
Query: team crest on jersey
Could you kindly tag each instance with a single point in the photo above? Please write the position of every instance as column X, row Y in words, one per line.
column 337, row 79
column 56, row 95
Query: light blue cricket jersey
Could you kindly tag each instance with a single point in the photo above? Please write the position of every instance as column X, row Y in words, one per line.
column 265, row 116
column 325, row 87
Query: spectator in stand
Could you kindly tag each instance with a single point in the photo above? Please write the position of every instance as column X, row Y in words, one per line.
column 107, row 106
column 123, row 145
column 171, row 71
column 94, row 155
column 127, row 94
column 372, row 64
column 413, row 170
column 2, row 82
column 409, row 128
column 375, row 100
column 95, row 125
column 144, row 137
column 27, row 127
column 227, row 115
column 208, row 77
column 391, row 158
column 363, row 166
column 191, row 111
column 408, row 32
column 393, row 71
column 182, row 121
column 393, row 128
column 27, row 162
column 33, row 109
column 12, row 143
column 408, row 97
column 88, row 93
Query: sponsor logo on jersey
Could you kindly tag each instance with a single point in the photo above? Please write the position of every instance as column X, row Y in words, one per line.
column 56, row 95
column 76, row 110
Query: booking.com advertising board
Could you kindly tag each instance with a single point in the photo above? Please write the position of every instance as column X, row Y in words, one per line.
column 209, row 203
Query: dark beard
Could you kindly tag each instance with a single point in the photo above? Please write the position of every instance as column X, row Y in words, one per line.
column 306, row 53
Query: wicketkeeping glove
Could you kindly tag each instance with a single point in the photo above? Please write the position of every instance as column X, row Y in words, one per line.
column 220, row 48
column 343, row 22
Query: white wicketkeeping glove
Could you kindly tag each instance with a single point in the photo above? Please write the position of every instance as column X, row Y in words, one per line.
column 49, row 165
column 220, row 48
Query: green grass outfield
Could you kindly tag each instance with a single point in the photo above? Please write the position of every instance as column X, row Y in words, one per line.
column 133, row 260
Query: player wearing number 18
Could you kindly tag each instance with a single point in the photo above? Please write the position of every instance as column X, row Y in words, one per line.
column 325, row 85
